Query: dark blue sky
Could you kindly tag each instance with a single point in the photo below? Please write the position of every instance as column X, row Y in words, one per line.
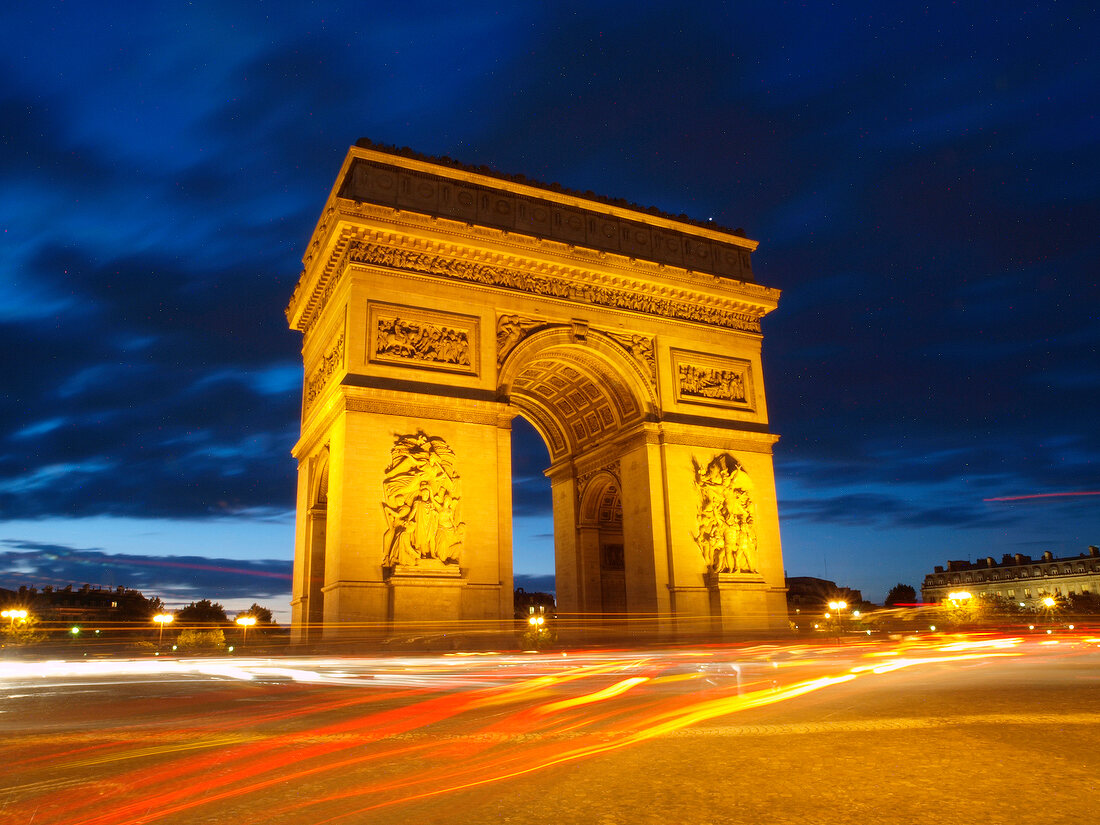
column 924, row 182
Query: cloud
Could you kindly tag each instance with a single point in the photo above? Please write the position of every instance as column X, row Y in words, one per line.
column 922, row 183
column 36, row 564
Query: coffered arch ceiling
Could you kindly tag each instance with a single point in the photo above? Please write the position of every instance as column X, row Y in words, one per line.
column 601, row 502
column 574, row 396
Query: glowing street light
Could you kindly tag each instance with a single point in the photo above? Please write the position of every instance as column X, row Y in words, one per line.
column 12, row 615
column 838, row 606
column 1049, row 602
column 162, row 619
column 958, row 596
column 245, row 622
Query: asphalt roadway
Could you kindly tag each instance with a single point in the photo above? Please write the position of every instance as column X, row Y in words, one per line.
column 945, row 729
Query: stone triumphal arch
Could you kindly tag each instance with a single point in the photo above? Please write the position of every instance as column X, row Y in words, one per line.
column 437, row 303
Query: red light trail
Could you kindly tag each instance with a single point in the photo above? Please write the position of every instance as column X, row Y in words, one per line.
column 1044, row 495
column 355, row 736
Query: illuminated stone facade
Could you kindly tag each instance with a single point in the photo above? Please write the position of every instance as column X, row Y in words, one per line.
column 437, row 303
column 1017, row 577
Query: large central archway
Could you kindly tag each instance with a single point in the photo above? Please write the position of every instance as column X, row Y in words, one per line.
column 437, row 304
column 585, row 395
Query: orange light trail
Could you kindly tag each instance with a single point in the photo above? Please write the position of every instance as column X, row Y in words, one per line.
column 470, row 722
column 616, row 689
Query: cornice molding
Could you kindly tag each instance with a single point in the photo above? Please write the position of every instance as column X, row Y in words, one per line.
column 362, row 246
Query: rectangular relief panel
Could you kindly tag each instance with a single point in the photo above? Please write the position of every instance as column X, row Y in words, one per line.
column 710, row 379
column 421, row 338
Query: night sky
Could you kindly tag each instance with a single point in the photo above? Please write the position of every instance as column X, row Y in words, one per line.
column 924, row 182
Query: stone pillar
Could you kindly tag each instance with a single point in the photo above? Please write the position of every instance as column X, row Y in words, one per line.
column 645, row 544
column 567, row 570
column 504, row 520
column 738, row 602
column 588, row 550
column 315, row 570
column 299, row 599
column 424, row 599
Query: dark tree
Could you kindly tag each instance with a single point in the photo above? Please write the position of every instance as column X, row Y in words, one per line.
column 134, row 607
column 1082, row 604
column 202, row 612
column 900, row 594
column 262, row 614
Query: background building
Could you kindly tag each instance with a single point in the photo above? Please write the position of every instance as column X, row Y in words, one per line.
column 1017, row 577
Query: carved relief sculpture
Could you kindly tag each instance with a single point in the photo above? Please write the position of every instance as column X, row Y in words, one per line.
column 422, row 503
column 726, row 522
column 318, row 379
column 641, row 348
column 420, row 341
column 703, row 382
column 511, row 329
column 703, row 378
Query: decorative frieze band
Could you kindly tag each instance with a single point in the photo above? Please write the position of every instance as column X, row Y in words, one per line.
column 548, row 286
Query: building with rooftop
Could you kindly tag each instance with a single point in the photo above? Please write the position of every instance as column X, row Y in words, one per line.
column 1017, row 577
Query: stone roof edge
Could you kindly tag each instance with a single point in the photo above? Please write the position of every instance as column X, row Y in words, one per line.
column 489, row 174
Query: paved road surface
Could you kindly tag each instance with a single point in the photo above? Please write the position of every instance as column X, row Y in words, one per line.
column 938, row 729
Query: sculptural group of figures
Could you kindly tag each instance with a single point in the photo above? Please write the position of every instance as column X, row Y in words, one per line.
column 421, row 501
column 727, row 517
column 423, row 342
column 728, row 385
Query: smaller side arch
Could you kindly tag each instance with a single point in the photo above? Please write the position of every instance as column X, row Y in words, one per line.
column 601, row 500
column 320, row 480
column 317, row 547
column 600, row 539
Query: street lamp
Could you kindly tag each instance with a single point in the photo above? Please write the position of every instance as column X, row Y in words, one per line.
column 162, row 619
column 245, row 622
column 12, row 615
column 959, row 608
column 1049, row 603
column 838, row 606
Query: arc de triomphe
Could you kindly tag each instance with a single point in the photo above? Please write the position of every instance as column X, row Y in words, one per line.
column 437, row 303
